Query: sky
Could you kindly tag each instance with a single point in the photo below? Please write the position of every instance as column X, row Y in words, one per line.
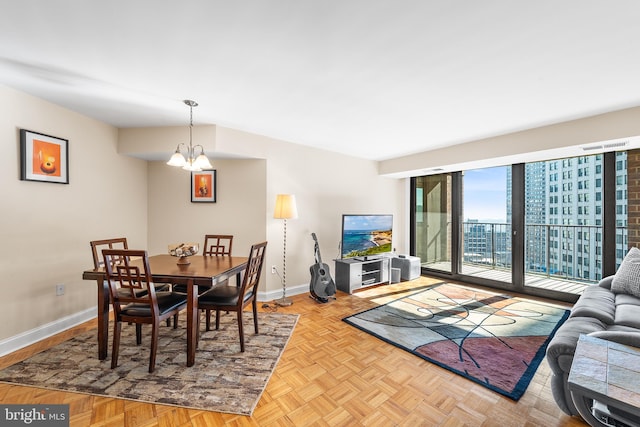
column 485, row 194
column 368, row 222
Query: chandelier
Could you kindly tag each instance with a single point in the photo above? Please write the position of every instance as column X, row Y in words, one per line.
column 190, row 162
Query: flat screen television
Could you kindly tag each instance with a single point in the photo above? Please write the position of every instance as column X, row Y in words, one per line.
column 365, row 236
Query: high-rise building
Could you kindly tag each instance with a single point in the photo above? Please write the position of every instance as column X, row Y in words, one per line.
column 564, row 216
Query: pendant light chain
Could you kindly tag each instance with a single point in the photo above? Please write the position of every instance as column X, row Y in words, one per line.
column 191, row 151
column 191, row 162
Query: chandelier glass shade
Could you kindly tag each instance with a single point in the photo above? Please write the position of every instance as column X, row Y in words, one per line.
column 190, row 162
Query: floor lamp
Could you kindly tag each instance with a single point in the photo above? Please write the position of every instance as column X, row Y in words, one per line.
column 285, row 209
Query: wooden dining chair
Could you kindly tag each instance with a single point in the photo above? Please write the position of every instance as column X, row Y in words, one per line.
column 98, row 245
column 126, row 281
column 236, row 298
column 214, row 245
column 217, row 244
column 118, row 243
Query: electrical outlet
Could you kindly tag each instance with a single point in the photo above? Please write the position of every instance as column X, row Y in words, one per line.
column 59, row 290
column 273, row 269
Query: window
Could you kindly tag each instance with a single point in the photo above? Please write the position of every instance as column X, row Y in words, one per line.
column 555, row 222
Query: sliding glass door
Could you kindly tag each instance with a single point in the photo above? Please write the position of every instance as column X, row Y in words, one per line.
column 564, row 223
column 486, row 227
column 433, row 221
column 544, row 228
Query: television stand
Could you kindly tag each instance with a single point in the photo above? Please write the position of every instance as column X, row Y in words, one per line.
column 353, row 274
column 365, row 258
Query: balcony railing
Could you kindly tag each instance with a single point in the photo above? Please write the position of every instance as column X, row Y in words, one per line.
column 565, row 252
column 561, row 257
column 487, row 244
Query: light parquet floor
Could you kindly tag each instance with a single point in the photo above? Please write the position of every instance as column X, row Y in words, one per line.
column 330, row 374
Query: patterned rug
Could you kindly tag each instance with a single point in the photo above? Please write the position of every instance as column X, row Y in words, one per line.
column 493, row 339
column 223, row 379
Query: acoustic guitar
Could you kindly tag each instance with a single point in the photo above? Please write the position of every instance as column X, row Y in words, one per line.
column 322, row 285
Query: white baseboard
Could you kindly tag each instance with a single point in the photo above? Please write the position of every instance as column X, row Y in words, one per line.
column 272, row 295
column 24, row 339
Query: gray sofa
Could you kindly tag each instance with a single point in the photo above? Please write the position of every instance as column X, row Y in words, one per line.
column 608, row 310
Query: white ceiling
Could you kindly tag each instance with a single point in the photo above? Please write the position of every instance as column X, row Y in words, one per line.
column 370, row 78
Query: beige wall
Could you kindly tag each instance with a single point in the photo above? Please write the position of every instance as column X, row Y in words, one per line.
column 537, row 144
column 239, row 210
column 46, row 228
column 326, row 185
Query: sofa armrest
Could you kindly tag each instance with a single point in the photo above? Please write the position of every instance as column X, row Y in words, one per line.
column 560, row 353
column 563, row 344
column 620, row 337
column 606, row 282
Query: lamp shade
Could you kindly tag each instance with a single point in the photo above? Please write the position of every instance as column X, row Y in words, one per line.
column 177, row 159
column 285, row 207
column 203, row 162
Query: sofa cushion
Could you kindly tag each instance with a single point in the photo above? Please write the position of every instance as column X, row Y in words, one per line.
column 621, row 328
column 627, row 278
column 627, row 337
column 628, row 315
column 627, row 299
column 596, row 302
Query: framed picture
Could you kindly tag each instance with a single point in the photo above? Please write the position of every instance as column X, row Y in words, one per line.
column 43, row 158
column 203, row 186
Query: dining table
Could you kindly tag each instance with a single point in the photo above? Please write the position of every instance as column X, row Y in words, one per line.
column 201, row 270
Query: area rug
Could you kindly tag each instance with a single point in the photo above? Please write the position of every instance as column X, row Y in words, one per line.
column 223, row 379
column 493, row 339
